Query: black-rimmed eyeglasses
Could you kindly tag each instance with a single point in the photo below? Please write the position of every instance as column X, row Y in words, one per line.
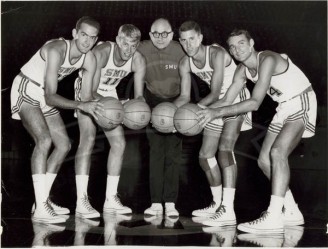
column 163, row 34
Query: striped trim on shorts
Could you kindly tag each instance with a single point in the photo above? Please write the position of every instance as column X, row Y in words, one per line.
column 24, row 90
column 302, row 107
column 217, row 125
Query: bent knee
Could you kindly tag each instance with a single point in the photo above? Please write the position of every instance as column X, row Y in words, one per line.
column 207, row 163
column 277, row 153
column 226, row 158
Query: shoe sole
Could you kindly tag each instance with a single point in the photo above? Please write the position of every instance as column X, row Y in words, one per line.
column 203, row 214
column 260, row 231
column 294, row 223
column 219, row 223
column 117, row 211
column 154, row 214
column 48, row 221
column 87, row 216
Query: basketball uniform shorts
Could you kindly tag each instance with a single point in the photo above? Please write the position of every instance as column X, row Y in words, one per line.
column 216, row 125
column 302, row 107
column 30, row 92
column 78, row 87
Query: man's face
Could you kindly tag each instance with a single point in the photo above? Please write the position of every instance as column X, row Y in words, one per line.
column 127, row 47
column 85, row 37
column 161, row 35
column 190, row 41
column 240, row 47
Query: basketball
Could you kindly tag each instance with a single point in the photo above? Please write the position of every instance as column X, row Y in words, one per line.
column 137, row 114
column 185, row 120
column 162, row 117
column 113, row 113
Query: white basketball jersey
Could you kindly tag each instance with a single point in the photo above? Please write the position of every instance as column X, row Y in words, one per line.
column 35, row 68
column 206, row 72
column 285, row 85
column 111, row 75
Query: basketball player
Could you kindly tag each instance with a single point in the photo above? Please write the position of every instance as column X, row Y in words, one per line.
column 162, row 79
column 114, row 62
column 34, row 101
column 214, row 65
column 276, row 75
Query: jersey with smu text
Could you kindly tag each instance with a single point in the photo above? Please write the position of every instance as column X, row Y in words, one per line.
column 206, row 72
column 286, row 85
column 111, row 74
column 36, row 66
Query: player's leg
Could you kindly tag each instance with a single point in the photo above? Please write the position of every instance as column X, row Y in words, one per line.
column 82, row 166
column 117, row 143
column 62, row 146
column 173, row 149
column 211, row 168
column 272, row 221
column 156, row 170
column 35, row 123
column 225, row 214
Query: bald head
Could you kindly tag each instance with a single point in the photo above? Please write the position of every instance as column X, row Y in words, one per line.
column 161, row 33
column 161, row 23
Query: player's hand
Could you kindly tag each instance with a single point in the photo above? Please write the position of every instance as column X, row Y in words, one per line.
column 123, row 101
column 92, row 107
column 202, row 106
column 205, row 115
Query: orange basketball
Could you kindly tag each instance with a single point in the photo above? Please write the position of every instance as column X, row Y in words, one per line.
column 185, row 120
column 113, row 113
column 162, row 117
column 137, row 114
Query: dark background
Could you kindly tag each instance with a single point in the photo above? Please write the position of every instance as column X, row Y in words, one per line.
column 296, row 28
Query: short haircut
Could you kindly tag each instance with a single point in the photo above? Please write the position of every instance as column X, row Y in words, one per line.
column 88, row 20
column 237, row 32
column 190, row 25
column 129, row 30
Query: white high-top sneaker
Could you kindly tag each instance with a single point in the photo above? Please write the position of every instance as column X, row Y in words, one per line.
column 292, row 216
column 207, row 211
column 222, row 217
column 267, row 223
column 85, row 210
column 113, row 205
column 46, row 214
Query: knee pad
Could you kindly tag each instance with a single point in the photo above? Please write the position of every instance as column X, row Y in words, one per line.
column 208, row 163
column 226, row 158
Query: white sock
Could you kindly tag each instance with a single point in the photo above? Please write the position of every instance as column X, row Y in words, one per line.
column 228, row 197
column 217, row 194
column 276, row 204
column 289, row 201
column 112, row 184
column 39, row 184
column 50, row 178
column 81, row 185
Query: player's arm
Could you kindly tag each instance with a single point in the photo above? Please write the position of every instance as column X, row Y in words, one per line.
column 89, row 68
column 218, row 64
column 100, row 63
column 238, row 83
column 266, row 69
column 139, row 69
column 53, row 54
column 185, row 88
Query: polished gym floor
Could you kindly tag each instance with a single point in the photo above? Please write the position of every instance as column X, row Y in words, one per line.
column 137, row 229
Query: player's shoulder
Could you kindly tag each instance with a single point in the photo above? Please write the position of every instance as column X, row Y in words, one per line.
column 55, row 44
column 268, row 55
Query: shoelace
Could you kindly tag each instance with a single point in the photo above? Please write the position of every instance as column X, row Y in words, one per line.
column 86, row 203
column 117, row 200
column 219, row 212
column 262, row 218
column 49, row 209
column 209, row 207
column 54, row 205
